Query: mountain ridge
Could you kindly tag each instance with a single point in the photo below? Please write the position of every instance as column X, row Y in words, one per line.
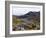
column 31, row 14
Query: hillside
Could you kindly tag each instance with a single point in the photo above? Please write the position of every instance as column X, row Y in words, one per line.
column 29, row 21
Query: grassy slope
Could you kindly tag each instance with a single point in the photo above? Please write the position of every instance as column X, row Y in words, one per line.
column 34, row 23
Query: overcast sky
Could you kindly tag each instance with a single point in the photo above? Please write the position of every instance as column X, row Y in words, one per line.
column 18, row 11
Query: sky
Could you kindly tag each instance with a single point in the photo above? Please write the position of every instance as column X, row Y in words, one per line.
column 18, row 11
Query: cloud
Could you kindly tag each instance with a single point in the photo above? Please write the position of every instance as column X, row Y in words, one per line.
column 21, row 11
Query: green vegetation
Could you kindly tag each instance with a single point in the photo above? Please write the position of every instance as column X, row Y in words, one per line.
column 33, row 25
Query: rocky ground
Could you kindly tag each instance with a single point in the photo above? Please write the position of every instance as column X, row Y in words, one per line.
column 24, row 24
column 29, row 23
